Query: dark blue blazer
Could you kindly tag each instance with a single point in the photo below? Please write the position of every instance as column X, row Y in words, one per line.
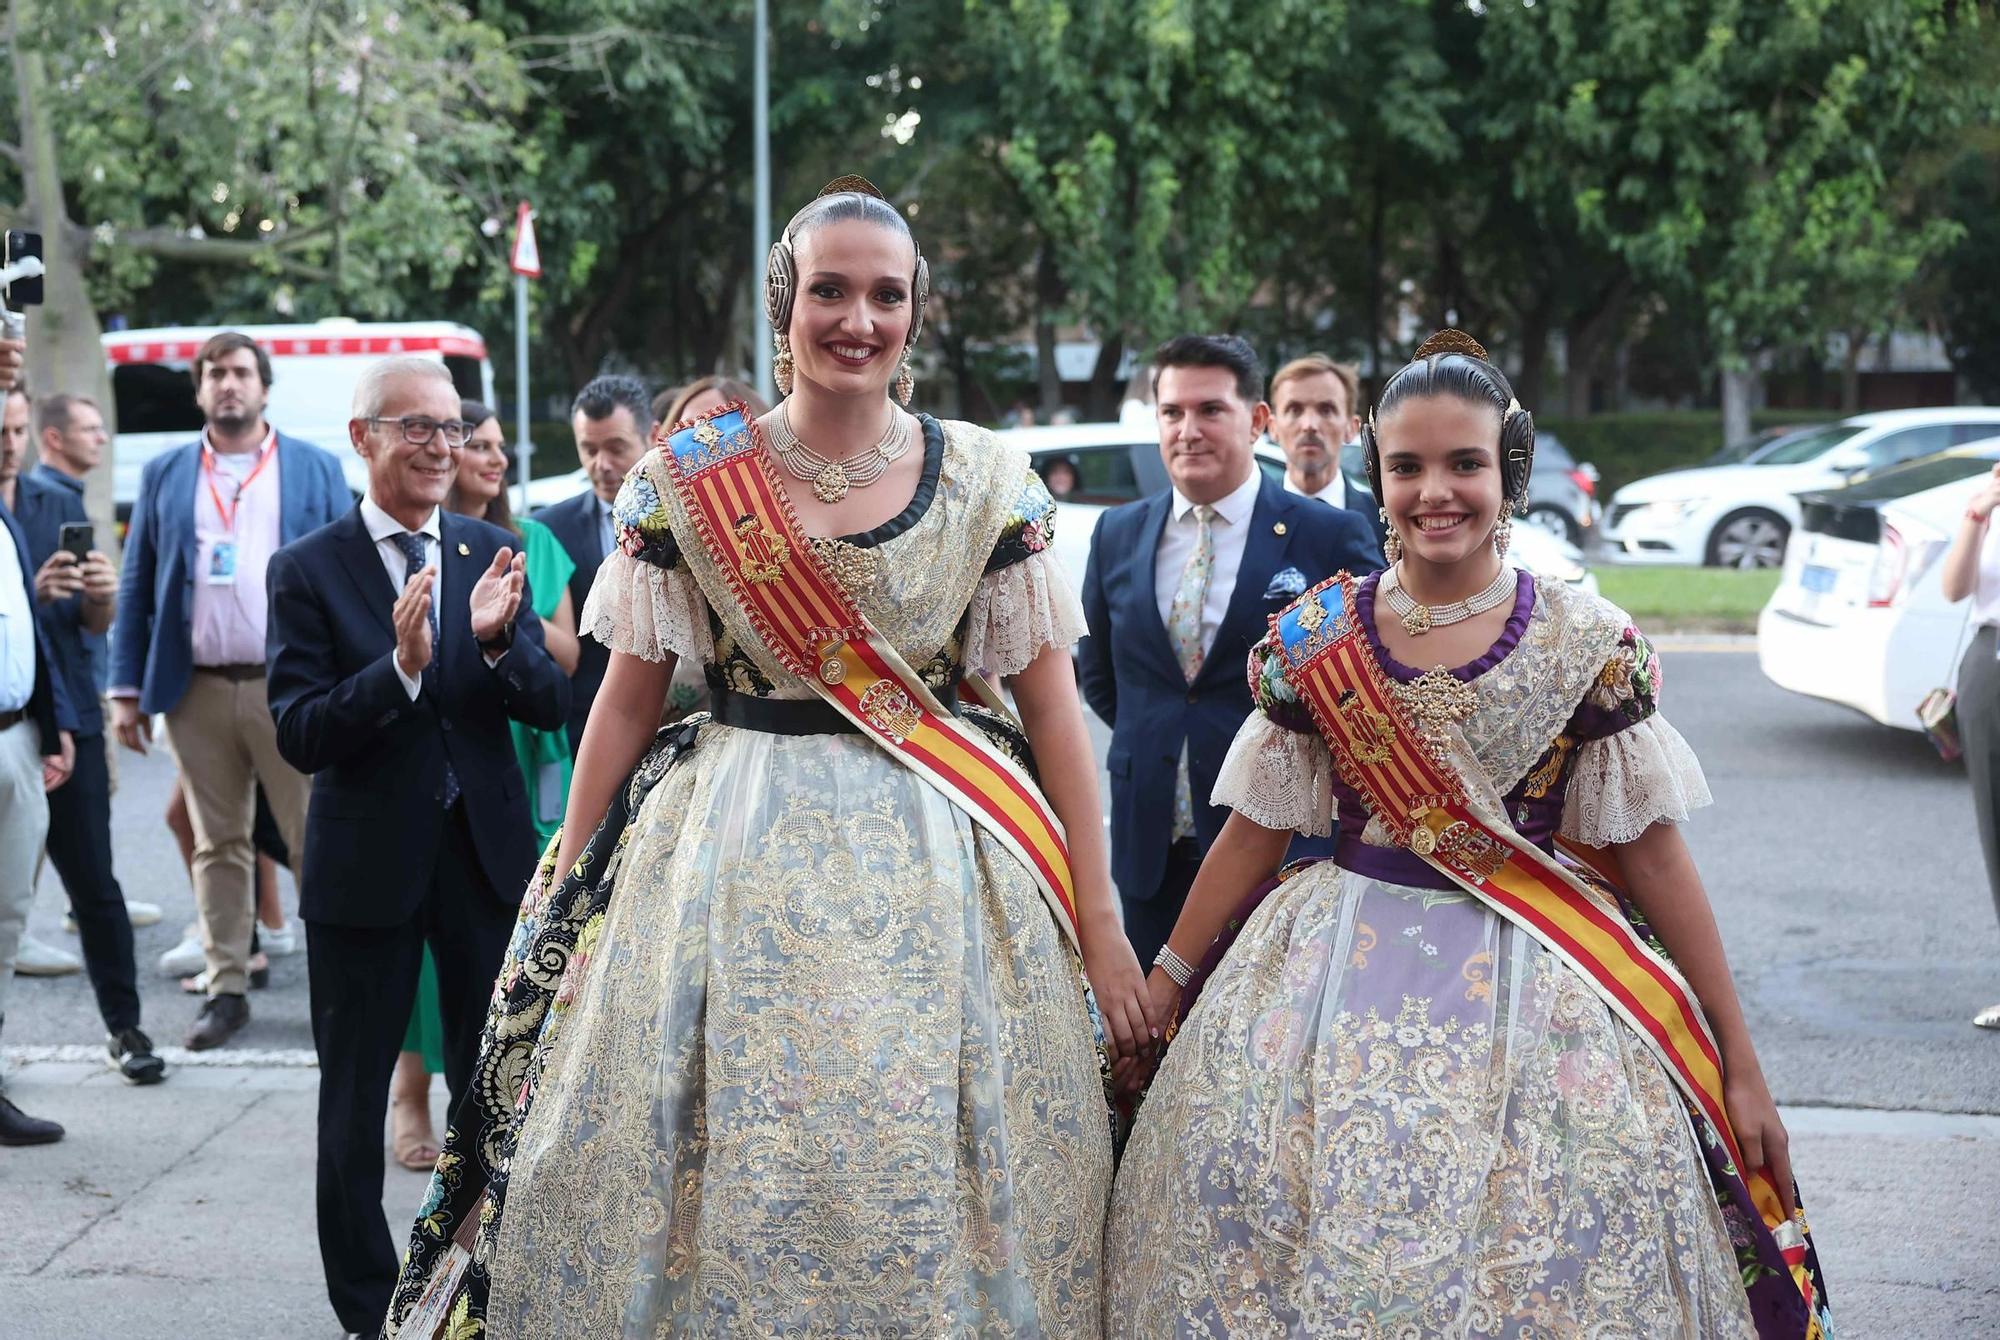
column 1132, row 679
column 48, row 705
column 574, row 522
column 152, row 640
column 374, row 826
column 45, row 501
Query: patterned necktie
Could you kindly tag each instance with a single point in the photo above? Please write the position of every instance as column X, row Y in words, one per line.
column 412, row 546
column 1184, row 629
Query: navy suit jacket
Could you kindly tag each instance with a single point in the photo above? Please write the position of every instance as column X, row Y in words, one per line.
column 374, row 827
column 48, row 705
column 152, row 641
column 574, row 522
column 43, row 503
column 1132, row 679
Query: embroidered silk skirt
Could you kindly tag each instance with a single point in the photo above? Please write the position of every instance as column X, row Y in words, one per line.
column 829, row 1072
column 1391, row 1113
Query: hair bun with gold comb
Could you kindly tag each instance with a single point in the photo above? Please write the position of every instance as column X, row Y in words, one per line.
column 1449, row 341
column 849, row 182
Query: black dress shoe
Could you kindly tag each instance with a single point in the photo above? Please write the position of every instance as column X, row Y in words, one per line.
column 130, row 1053
column 18, row 1128
column 219, row 1020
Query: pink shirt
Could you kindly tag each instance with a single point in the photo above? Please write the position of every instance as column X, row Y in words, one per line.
column 229, row 617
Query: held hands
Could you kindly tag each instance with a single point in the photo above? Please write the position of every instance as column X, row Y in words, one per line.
column 1753, row 1115
column 133, row 727
column 411, row 617
column 1120, row 989
column 496, row 597
column 56, row 768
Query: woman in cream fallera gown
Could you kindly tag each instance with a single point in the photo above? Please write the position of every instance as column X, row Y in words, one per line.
column 823, row 1062
column 1390, row 1111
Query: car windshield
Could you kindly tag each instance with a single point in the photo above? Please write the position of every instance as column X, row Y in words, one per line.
column 1808, row 446
column 1916, row 476
column 1750, row 448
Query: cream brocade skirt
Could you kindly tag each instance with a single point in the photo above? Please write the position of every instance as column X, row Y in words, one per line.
column 1394, row 1114
column 829, row 1072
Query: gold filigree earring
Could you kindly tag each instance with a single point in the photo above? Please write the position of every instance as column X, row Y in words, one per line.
column 1392, row 543
column 781, row 366
column 906, row 384
column 1503, row 530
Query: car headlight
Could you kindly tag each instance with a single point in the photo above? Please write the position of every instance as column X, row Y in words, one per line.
column 1666, row 512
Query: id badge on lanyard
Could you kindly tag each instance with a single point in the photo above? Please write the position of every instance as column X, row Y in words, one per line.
column 222, row 557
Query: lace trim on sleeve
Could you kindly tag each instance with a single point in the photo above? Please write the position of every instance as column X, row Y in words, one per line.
column 1018, row 610
column 1278, row 778
column 647, row 611
column 1627, row 782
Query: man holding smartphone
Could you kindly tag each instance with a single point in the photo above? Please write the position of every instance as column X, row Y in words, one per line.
column 76, row 590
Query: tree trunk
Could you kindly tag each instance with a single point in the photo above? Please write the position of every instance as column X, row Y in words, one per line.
column 1048, row 377
column 1739, row 390
column 1534, row 355
column 1850, row 373
column 1107, row 388
column 1376, row 224
column 1589, row 335
column 65, row 339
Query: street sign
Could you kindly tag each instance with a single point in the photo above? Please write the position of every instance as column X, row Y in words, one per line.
column 527, row 257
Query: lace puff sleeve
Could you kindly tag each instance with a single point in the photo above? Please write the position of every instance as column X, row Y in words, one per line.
column 1278, row 772
column 644, row 601
column 1633, row 769
column 1024, row 601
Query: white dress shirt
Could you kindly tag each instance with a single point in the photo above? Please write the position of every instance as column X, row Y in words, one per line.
column 1334, row 494
column 1228, row 534
column 383, row 529
column 17, row 629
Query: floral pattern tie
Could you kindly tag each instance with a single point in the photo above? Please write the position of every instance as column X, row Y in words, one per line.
column 1184, row 631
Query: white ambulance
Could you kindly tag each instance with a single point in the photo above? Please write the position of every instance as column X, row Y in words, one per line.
column 314, row 369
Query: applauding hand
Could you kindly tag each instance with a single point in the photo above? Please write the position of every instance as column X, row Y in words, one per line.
column 412, row 619
column 496, row 597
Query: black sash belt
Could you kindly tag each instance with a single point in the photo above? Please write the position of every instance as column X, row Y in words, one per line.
column 791, row 716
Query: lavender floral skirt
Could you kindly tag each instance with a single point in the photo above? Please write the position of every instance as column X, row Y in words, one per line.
column 1392, row 1113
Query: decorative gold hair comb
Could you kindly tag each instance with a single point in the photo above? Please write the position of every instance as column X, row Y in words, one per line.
column 1449, row 341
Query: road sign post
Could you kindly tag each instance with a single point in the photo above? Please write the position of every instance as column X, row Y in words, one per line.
column 526, row 263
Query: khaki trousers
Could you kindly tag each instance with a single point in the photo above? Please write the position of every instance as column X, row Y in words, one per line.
column 225, row 741
column 24, row 824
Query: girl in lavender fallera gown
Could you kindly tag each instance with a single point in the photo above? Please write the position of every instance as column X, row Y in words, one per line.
column 1393, row 1110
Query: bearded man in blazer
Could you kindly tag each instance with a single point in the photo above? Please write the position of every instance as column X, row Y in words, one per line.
column 1178, row 589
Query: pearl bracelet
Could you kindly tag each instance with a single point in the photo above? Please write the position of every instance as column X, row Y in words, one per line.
column 1176, row 967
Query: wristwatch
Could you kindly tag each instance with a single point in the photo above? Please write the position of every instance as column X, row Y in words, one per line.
column 500, row 643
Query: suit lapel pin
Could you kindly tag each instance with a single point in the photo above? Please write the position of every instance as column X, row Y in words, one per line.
column 464, row 552
column 1277, row 528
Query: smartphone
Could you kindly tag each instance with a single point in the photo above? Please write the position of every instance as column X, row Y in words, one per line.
column 76, row 537
column 22, row 292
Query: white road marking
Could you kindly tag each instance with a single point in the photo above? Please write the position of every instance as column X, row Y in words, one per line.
column 283, row 1058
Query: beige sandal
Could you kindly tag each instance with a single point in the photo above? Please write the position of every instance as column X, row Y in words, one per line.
column 1987, row 1018
column 411, row 1140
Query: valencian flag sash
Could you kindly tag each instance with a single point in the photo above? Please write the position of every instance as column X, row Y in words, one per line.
column 1419, row 798
column 814, row 629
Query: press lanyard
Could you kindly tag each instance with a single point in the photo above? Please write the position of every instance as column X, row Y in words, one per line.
column 228, row 514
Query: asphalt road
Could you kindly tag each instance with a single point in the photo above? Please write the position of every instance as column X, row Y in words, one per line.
column 1842, row 863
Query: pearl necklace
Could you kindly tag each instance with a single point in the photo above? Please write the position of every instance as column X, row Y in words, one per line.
column 1420, row 619
column 831, row 480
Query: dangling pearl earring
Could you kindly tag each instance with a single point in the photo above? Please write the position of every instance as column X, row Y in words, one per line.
column 1503, row 530
column 781, row 366
column 1392, row 542
column 906, row 384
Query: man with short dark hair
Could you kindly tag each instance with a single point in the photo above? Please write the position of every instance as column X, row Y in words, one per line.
column 1178, row 589
column 76, row 602
column 189, row 642
column 613, row 422
column 1314, row 413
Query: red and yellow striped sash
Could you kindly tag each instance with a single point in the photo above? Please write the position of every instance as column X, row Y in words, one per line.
column 1423, row 804
column 814, row 629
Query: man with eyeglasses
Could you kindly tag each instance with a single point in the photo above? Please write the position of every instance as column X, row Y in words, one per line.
column 399, row 655
column 189, row 642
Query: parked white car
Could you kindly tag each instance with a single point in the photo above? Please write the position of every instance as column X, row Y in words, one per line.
column 1740, row 516
column 1118, row 462
column 1860, row 617
column 314, row 369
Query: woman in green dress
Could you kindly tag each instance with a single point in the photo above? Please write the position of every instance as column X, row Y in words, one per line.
column 481, row 490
